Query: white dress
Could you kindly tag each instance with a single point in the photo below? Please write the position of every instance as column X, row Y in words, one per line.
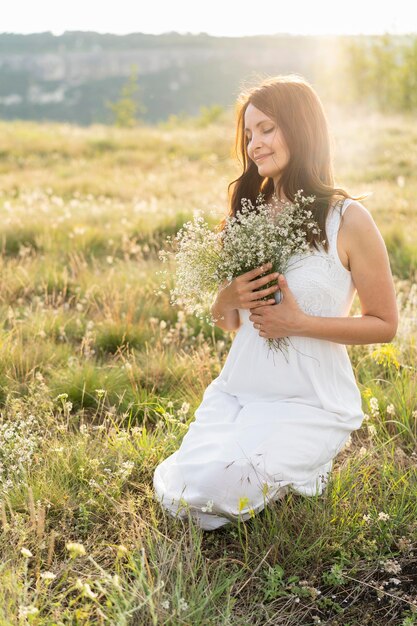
column 270, row 422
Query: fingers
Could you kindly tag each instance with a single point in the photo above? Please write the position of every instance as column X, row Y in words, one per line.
column 254, row 304
column 255, row 295
column 259, row 282
column 256, row 272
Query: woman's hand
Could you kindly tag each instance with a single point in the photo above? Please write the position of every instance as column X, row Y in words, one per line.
column 283, row 320
column 240, row 294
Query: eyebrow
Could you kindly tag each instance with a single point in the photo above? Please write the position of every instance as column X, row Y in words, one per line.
column 259, row 123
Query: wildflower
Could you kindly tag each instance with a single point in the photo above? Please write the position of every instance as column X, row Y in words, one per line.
column 374, row 406
column 371, row 430
column 27, row 553
column 386, row 355
column 75, row 549
column 391, row 566
column 100, row 392
column 165, row 604
column 383, row 516
column 86, row 589
column 366, row 518
column 243, row 502
column 208, row 508
column 26, row 611
column 395, row 581
column 391, row 409
column 48, row 575
column 182, row 604
column 185, row 407
column 404, row 544
column 348, row 442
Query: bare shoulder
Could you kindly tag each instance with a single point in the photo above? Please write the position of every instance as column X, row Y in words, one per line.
column 356, row 214
column 358, row 226
column 361, row 239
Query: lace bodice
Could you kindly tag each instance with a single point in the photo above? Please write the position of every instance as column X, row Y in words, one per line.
column 319, row 281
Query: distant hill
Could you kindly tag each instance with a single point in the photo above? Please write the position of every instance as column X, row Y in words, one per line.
column 71, row 76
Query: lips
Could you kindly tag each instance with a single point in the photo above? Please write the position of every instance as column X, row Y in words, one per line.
column 262, row 156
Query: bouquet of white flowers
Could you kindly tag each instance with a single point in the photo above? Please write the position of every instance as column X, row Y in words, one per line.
column 205, row 260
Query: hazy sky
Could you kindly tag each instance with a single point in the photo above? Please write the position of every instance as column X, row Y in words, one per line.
column 217, row 17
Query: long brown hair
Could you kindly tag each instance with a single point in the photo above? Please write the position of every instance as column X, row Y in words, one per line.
column 296, row 108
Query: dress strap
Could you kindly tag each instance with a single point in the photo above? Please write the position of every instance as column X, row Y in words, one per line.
column 333, row 221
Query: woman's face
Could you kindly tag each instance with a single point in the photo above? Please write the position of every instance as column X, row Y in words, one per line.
column 264, row 137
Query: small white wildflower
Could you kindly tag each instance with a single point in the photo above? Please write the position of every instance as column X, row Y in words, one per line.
column 395, row 581
column 182, row 604
column 348, row 442
column 48, row 575
column 165, row 604
column 391, row 409
column 26, row 611
column 27, row 553
column 86, row 589
column 383, row 516
column 372, row 430
column 208, row 508
column 185, row 407
column 374, row 406
column 366, row 518
column 391, row 566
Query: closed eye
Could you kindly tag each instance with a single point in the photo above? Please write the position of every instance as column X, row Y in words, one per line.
column 265, row 131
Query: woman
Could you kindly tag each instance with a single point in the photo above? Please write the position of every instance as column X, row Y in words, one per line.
column 265, row 425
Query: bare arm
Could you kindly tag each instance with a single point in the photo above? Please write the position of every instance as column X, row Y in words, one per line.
column 371, row 274
column 225, row 319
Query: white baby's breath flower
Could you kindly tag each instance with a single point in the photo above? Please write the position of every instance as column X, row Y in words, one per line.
column 391, row 409
column 47, row 575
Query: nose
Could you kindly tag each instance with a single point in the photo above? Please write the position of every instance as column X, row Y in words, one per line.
column 255, row 145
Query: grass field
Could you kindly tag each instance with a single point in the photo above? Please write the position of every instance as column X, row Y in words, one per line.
column 100, row 378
